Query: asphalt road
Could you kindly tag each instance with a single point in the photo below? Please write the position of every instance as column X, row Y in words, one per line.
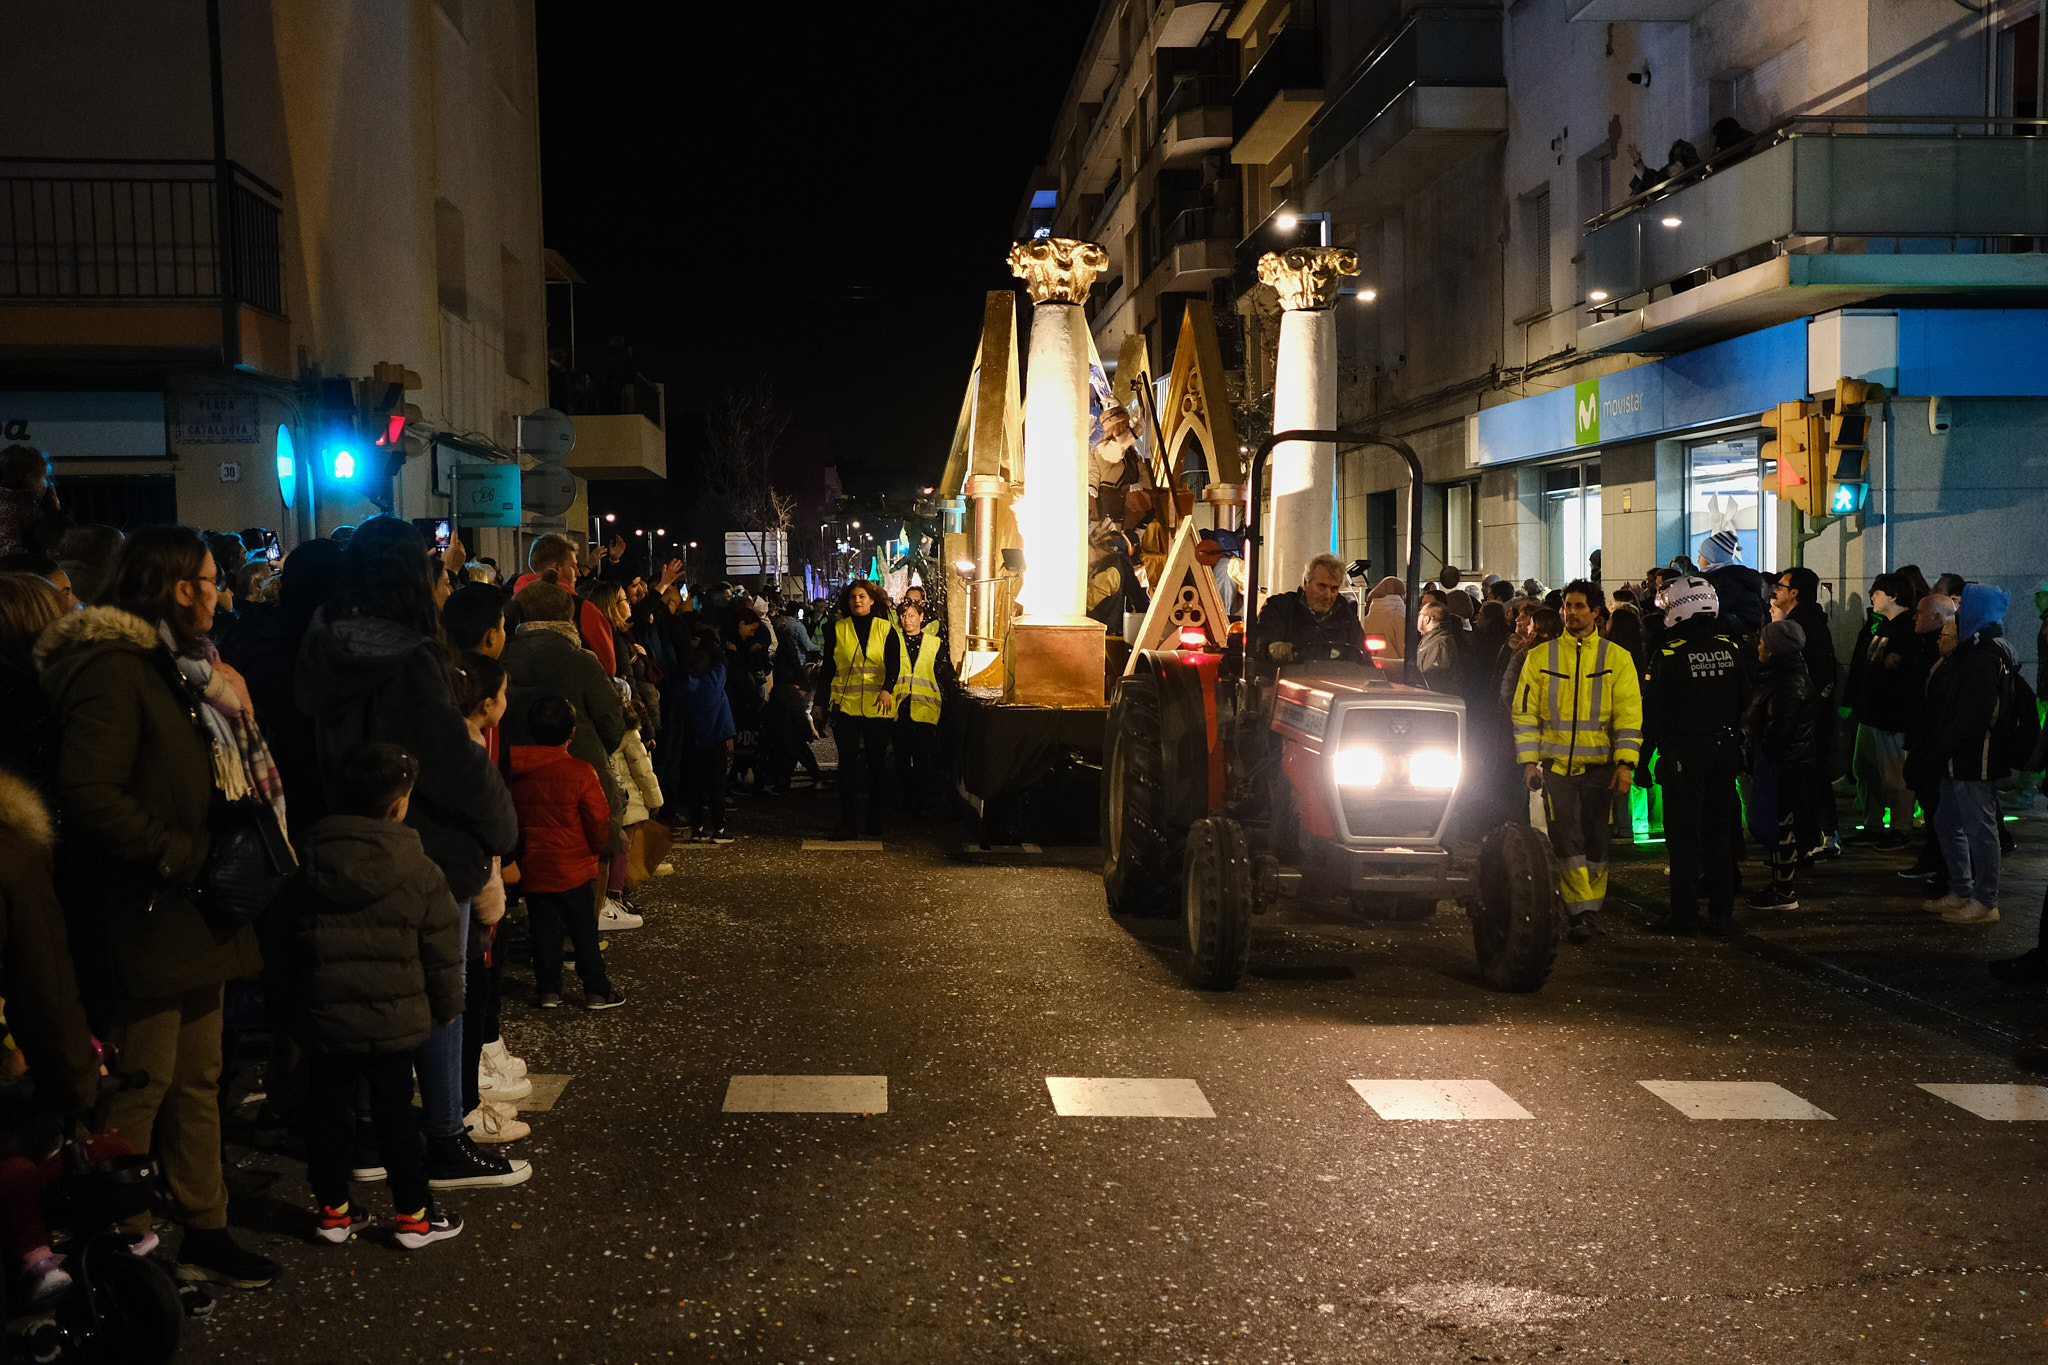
column 972, row 1221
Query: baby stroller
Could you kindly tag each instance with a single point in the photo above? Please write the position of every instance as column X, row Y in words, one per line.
column 121, row 1308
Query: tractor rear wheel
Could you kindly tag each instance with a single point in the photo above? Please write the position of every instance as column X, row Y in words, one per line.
column 1140, row 859
column 1216, row 893
column 1519, row 914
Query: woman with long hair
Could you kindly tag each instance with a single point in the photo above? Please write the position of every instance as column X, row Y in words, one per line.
column 153, row 739
column 375, row 667
column 856, row 692
column 28, row 727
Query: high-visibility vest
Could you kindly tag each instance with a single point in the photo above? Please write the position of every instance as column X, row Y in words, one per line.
column 857, row 671
column 1578, row 705
column 918, row 682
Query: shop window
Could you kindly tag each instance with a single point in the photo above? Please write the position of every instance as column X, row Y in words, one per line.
column 1571, row 520
column 1461, row 525
column 1725, row 491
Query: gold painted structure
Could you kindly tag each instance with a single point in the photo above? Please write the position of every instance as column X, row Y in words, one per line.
column 1306, row 277
column 984, row 466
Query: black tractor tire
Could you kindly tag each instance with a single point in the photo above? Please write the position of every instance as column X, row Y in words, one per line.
column 1373, row 905
column 1216, row 894
column 1140, row 850
column 124, row 1308
column 1519, row 916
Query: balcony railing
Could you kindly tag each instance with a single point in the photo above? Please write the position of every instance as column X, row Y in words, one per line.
column 1435, row 48
column 1293, row 62
column 94, row 230
column 1191, row 225
column 1925, row 184
column 1112, row 195
column 1199, row 92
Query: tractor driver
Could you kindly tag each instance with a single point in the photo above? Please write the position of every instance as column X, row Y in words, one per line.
column 1312, row 624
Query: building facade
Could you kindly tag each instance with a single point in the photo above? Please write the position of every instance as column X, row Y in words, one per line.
column 248, row 198
column 1584, row 349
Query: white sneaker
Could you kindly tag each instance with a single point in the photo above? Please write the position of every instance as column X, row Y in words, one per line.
column 499, row 1107
column 502, row 1061
column 485, row 1124
column 1972, row 912
column 665, row 870
column 505, row 1089
column 615, row 917
column 1945, row 905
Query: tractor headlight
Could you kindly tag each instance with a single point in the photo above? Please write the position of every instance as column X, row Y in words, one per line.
column 1434, row 769
column 1360, row 765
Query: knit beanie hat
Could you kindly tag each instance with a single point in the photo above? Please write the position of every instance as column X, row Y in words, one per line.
column 1784, row 637
column 1687, row 597
column 1722, row 547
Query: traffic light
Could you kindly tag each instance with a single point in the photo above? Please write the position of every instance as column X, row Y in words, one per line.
column 1797, row 441
column 1849, row 438
column 338, row 445
column 386, row 412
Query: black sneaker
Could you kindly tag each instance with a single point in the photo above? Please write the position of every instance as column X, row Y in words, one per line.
column 211, row 1255
column 1771, row 898
column 2028, row 969
column 1922, row 868
column 413, row 1231
column 605, row 1000
column 1584, row 928
column 550, row 1000
column 456, row 1163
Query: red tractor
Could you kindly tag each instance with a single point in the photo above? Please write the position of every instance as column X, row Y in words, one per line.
column 1222, row 792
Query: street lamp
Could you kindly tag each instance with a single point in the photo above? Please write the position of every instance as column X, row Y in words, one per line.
column 611, row 516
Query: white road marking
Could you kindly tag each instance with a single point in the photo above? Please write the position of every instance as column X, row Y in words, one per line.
column 842, row 846
column 1439, row 1100
column 546, row 1090
column 2005, row 1103
column 1135, row 1097
column 1733, row 1100
column 807, row 1095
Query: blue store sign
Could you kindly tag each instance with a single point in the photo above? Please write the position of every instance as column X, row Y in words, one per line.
column 1737, row 378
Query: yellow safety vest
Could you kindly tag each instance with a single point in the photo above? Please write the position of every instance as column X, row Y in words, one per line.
column 918, row 683
column 1578, row 705
column 857, row 672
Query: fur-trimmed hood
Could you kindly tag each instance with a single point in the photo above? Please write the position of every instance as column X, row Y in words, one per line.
column 23, row 810
column 70, row 640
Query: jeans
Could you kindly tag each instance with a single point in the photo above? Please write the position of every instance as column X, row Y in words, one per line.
column 863, row 762
column 439, row 1061
column 1966, row 822
column 335, row 1082
column 479, row 1016
column 704, row 788
column 550, row 914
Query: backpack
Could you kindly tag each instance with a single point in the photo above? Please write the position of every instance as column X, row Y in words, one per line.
column 2016, row 731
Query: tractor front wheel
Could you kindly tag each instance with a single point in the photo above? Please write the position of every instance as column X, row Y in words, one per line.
column 1216, row 893
column 1520, row 912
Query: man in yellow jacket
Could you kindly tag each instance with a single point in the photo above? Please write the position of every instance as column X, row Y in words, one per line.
column 1578, row 733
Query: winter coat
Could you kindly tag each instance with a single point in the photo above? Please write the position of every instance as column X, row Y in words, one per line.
column 1740, row 590
column 265, row 651
column 704, row 709
column 1441, row 656
column 28, row 731
column 44, row 1012
column 1336, row 637
column 135, row 792
column 1822, row 667
column 593, row 627
column 544, row 659
column 633, row 775
column 1778, row 722
column 1964, row 694
column 365, row 678
column 376, row 939
column 1893, row 677
column 564, row 821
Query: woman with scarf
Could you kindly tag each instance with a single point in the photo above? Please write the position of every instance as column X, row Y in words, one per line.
column 155, row 738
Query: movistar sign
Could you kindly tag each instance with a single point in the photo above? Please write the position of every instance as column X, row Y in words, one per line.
column 1586, row 412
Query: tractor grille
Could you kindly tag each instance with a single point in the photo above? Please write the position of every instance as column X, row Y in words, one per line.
column 1395, row 810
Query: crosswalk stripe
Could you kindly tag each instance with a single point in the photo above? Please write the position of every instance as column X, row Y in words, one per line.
column 1439, row 1100
column 807, row 1095
column 1733, row 1100
column 2002, row 1103
column 1128, row 1097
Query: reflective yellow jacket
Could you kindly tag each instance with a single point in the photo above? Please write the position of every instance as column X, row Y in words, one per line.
column 1578, row 705
column 917, row 684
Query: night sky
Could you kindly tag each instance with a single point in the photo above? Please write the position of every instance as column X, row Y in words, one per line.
column 822, row 200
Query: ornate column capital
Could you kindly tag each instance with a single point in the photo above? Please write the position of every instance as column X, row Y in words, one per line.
column 1059, row 269
column 1306, row 276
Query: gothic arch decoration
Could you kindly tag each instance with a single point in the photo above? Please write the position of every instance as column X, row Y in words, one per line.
column 1197, row 409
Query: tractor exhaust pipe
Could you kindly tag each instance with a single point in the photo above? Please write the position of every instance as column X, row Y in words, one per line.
column 1343, row 440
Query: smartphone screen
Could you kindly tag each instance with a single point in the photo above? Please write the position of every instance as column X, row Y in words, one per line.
column 440, row 535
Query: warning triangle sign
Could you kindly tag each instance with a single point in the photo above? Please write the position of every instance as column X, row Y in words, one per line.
column 1185, row 598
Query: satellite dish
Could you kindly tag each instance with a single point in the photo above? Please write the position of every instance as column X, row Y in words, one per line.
column 547, row 435
column 547, row 491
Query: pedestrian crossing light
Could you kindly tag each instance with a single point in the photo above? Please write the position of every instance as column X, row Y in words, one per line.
column 338, row 445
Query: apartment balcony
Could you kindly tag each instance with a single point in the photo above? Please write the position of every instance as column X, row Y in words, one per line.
column 1195, row 120
column 1182, row 23
column 142, row 258
column 1818, row 214
column 1280, row 95
column 1430, row 97
column 1198, row 246
column 1112, row 200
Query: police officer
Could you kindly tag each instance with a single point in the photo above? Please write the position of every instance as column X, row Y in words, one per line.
column 1693, row 713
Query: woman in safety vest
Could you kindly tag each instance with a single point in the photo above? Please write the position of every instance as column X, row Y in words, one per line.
column 918, row 698
column 857, row 691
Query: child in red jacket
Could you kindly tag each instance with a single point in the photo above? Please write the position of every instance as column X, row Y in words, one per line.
column 564, row 823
